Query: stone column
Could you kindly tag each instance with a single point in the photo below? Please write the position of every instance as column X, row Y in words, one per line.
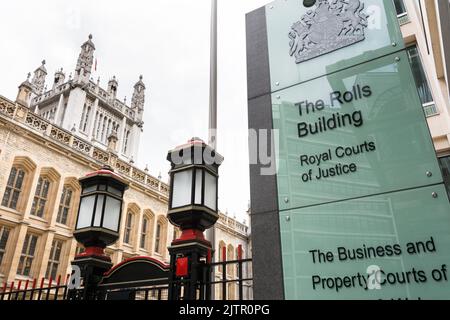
column 19, row 239
column 59, row 111
column 134, row 143
column 122, row 134
column 74, row 108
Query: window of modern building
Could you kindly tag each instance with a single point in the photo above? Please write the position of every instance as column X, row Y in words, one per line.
column 158, row 237
column 444, row 163
column 144, row 232
column 27, row 256
column 64, row 206
column 400, row 7
column 40, row 197
column 420, row 77
column 128, row 228
column 13, row 188
column 4, row 235
column 54, row 259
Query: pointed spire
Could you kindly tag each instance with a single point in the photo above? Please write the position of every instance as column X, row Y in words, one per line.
column 138, row 99
column 89, row 42
column 112, row 87
column 85, row 61
column 38, row 80
column 42, row 67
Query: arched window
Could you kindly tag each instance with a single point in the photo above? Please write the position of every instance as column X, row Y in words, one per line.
column 125, row 144
column 54, row 260
column 64, row 205
column 102, row 138
column 40, row 197
column 158, row 237
column 144, row 232
column 18, row 185
column 96, row 125
column 147, row 229
column 27, row 255
column 230, row 256
column 161, row 235
column 128, row 228
column 13, row 188
column 86, row 119
column 220, row 254
column 82, row 118
column 108, row 130
column 44, row 195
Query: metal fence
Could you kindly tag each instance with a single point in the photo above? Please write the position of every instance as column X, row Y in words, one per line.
column 233, row 282
column 31, row 291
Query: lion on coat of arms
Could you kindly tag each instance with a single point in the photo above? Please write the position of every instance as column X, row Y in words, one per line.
column 334, row 24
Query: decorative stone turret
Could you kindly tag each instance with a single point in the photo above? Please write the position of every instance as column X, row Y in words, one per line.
column 59, row 78
column 138, row 99
column 112, row 141
column 25, row 92
column 85, row 60
column 112, row 88
column 38, row 80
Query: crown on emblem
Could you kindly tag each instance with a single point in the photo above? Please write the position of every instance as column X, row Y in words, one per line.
column 332, row 25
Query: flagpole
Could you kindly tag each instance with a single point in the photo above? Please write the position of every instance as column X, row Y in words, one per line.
column 212, row 124
column 212, row 138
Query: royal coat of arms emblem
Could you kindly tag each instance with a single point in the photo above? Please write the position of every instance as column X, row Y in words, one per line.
column 334, row 24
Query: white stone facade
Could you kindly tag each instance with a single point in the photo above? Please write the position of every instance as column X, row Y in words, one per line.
column 81, row 106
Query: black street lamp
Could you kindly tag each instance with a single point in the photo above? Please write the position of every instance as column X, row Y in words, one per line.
column 98, row 223
column 193, row 185
column 193, row 208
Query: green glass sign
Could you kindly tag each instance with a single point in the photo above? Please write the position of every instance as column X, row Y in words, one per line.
column 342, row 250
column 362, row 208
column 305, row 43
column 352, row 133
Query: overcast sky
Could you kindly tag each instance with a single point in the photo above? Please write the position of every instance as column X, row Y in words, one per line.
column 167, row 41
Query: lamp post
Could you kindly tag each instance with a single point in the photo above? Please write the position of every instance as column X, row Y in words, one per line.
column 193, row 208
column 98, row 224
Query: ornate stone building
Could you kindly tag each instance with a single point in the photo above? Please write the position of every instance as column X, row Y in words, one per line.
column 48, row 139
column 80, row 105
